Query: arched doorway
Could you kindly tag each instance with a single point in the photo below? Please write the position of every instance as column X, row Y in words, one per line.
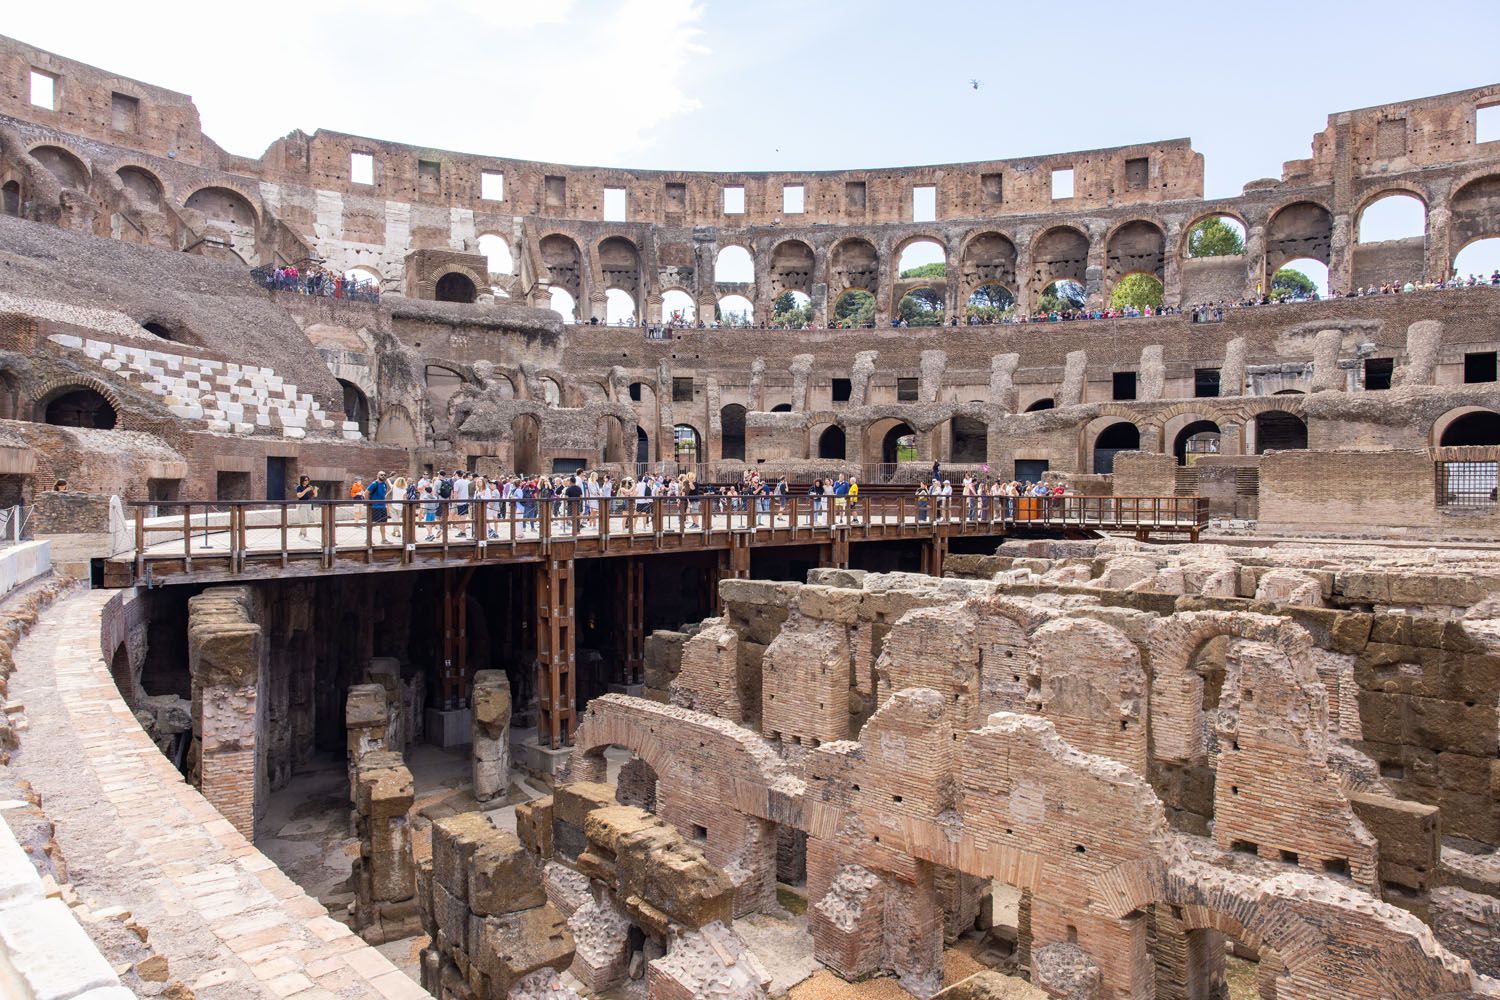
column 455, row 287
column 1201, row 437
column 687, row 445
column 1479, row 428
column 1045, row 403
column 898, row 445
column 832, row 443
column 356, row 406
column 642, row 447
column 10, row 198
column 78, row 406
column 732, row 431
column 1277, row 430
column 1111, row 441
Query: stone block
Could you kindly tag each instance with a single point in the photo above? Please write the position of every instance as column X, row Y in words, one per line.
column 504, row 877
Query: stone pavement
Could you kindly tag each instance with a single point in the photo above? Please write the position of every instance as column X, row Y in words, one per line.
column 138, row 836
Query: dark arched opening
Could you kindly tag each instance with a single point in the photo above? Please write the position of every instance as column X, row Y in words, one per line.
column 1046, row 403
column 158, row 328
column 1479, row 428
column 455, row 287
column 10, row 197
column 356, row 406
column 1114, row 439
column 1201, row 437
column 899, row 445
column 1276, row 430
column 782, row 408
column 642, row 446
column 732, row 430
column 79, row 407
column 832, row 443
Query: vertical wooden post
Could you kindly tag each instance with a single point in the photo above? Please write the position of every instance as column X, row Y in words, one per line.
column 934, row 552
column 556, row 689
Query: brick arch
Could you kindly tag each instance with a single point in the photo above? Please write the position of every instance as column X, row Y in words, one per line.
column 1187, row 230
column 1178, row 729
column 1386, row 188
column 53, row 387
column 226, row 183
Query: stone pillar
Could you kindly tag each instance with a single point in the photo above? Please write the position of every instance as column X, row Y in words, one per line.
column 227, row 660
column 1327, row 375
column 491, row 735
column 386, row 671
column 366, row 723
column 385, row 888
column 1438, row 262
column 1171, row 282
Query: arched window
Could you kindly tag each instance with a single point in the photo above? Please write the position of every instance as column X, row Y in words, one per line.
column 455, row 287
column 1046, row 403
column 1277, row 430
column 832, row 443
column 898, row 445
column 735, row 310
column 1393, row 217
column 79, row 406
column 734, row 266
column 497, row 255
column 1201, row 437
column 356, row 406
column 1300, row 279
column 687, row 445
column 1114, row 439
column 1480, row 259
column 677, row 307
column 1479, row 428
column 563, row 304
column 732, row 431
column 619, row 308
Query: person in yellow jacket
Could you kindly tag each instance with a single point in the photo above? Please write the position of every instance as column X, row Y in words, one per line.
column 853, row 498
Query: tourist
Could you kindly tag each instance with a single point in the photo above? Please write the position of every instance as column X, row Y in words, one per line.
column 840, row 499
column 815, row 491
column 460, row 494
column 922, row 495
column 430, row 512
column 853, row 497
column 305, row 494
column 377, row 493
column 398, row 501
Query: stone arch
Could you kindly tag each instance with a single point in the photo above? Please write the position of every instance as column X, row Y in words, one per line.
column 1182, row 441
column 1045, row 403
column 882, row 437
column 1296, row 230
column 832, row 443
column 1185, row 243
column 854, row 263
column 499, row 259
column 144, row 185
column 564, row 263
column 1474, row 212
column 455, row 286
column 69, row 169
column 1396, row 190
column 1179, row 727
column 1109, row 441
column 987, row 258
column 792, row 264
column 1060, row 253
column 732, row 431
column 356, row 406
column 620, row 267
column 687, row 443
column 526, row 443
column 730, row 259
column 1467, row 426
column 1279, row 430
column 231, row 214
column 79, row 403
column 1135, row 247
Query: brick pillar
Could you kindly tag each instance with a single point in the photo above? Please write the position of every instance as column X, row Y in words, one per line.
column 227, row 660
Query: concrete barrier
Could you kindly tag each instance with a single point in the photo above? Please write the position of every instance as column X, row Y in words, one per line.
column 22, row 563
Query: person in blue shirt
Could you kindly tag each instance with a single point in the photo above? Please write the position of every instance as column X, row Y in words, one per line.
column 377, row 493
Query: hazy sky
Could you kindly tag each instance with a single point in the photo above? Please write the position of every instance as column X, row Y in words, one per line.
column 786, row 84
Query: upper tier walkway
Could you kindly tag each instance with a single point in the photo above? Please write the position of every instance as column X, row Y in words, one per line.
column 215, row 541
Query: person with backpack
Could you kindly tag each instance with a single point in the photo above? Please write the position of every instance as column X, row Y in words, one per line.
column 378, row 492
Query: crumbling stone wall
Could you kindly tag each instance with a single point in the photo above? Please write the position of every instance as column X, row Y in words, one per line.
column 227, row 661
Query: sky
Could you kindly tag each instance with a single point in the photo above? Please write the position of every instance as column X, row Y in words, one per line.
column 785, row 84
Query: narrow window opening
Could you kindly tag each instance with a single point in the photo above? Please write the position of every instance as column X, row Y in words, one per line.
column 1487, row 124
column 614, row 204
column 492, row 185
column 43, row 90
column 1378, row 373
column 1243, row 847
column 361, row 168
column 793, row 199
column 1062, row 184
column 924, row 203
column 734, row 200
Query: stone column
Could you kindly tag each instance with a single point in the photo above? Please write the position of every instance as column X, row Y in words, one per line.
column 386, row 671
column 385, row 887
column 491, row 735
column 366, row 723
column 227, row 660
column 1171, row 266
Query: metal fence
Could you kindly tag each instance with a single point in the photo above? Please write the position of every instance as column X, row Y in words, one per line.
column 15, row 525
column 1466, row 484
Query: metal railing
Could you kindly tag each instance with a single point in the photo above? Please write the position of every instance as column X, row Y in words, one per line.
column 14, row 524
column 1466, row 484
column 233, row 535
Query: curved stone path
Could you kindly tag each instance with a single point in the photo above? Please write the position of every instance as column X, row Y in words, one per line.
column 136, row 835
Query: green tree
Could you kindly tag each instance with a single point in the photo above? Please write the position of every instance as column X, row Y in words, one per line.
column 936, row 269
column 854, row 309
column 1139, row 290
column 786, row 312
column 1215, row 237
column 991, row 303
column 1289, row 284
column 922, row 307
column 1061, row 296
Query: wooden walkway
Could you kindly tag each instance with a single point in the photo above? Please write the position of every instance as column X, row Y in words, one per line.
column 219, row 541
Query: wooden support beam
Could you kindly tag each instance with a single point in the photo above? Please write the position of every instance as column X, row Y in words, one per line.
column 556, row 686
column 934, row 554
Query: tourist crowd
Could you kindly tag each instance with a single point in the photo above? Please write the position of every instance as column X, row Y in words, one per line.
column 317, row 282
column 443, row 503
column 1203, row 312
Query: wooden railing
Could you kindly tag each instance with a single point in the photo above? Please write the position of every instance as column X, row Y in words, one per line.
column 229, row 536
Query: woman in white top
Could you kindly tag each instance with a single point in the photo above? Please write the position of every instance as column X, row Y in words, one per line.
column 948, row 499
